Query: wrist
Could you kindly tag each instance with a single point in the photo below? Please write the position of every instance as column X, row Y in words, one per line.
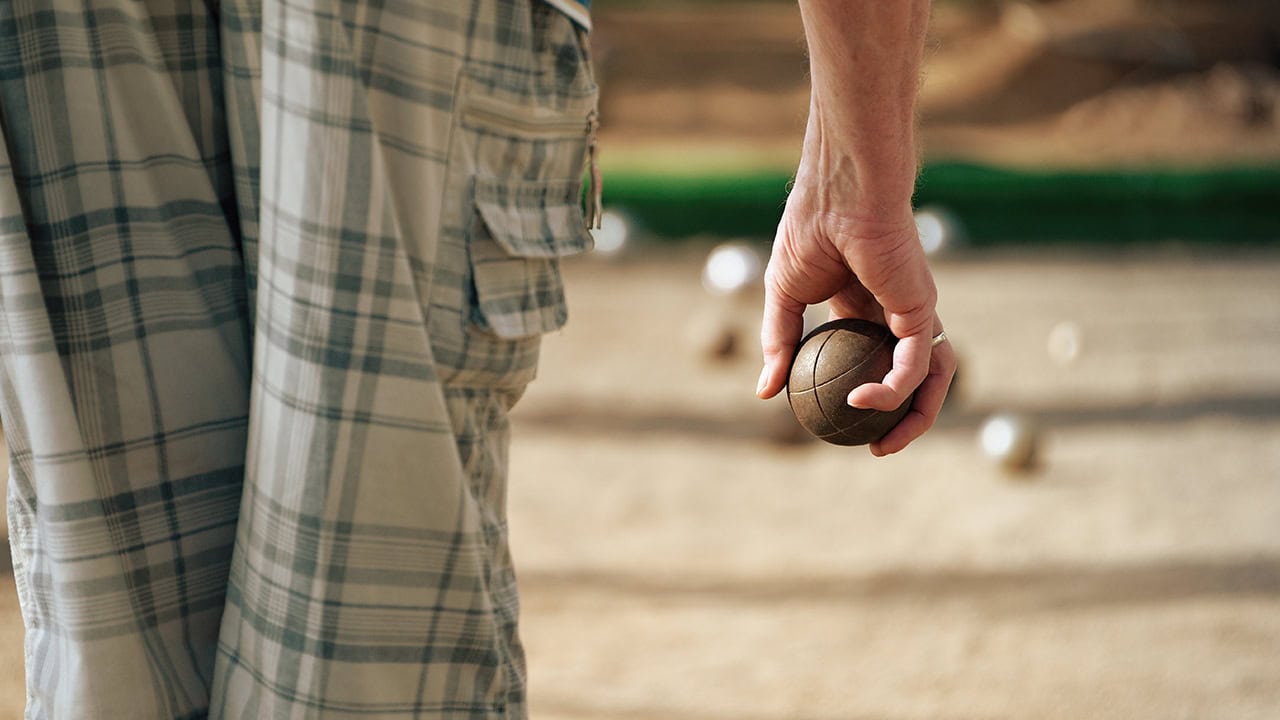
column 864, row 66
column 869, row 180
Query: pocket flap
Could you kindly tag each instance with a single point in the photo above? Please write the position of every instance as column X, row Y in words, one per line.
column 534, row 219
column 522, row 230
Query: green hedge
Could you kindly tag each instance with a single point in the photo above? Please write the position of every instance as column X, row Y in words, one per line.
column 996, row 206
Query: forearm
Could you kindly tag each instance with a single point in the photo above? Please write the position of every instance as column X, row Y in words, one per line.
column 864, row 61
column 847, row 236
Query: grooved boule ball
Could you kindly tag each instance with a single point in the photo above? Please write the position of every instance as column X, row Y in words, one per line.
column 831, row 361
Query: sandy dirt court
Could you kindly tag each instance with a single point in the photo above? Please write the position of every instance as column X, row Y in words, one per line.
column 678, row 564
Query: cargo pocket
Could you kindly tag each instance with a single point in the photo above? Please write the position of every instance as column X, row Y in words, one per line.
column 522, row 212
column 520, row 145
column 521, row 231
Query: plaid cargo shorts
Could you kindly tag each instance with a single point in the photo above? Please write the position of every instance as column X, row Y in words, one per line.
column 271, row 276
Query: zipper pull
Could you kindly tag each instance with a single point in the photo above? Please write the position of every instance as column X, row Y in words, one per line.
column 595, row 190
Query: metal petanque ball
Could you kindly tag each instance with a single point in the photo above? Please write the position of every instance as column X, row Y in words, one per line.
column 835, row 358
column 1066, row 342
column 612, row 235
column 940, row 231
column 1011, row 441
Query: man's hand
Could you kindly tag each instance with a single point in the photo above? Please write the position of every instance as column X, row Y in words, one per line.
column 875, row 272
column 847, row 234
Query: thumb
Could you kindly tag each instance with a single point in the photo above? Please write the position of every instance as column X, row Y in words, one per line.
column 779, row 335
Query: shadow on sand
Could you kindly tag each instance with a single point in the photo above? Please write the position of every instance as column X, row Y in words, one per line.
column 596, row 418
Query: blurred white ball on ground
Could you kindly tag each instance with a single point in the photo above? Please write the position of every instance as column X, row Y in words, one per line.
column 714, row 334
column 732, row 268
column 1011, row 441
column 611, row 237
column 940, row 231
column 1066, row 342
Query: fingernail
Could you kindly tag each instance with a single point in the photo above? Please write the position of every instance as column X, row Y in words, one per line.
column 856, row 405
column 764, row 378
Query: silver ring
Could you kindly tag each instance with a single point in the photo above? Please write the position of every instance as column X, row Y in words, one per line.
column 939, row 339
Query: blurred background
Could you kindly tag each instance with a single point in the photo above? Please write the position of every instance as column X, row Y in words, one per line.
column 1093, row 528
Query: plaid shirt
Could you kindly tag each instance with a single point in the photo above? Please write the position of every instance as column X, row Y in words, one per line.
column 271, row 275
